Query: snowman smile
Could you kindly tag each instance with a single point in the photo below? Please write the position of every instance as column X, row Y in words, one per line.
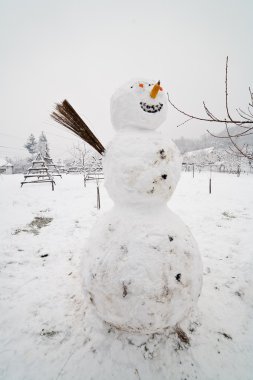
column 151, row 108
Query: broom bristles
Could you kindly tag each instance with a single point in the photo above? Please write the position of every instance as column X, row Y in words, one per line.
column 65, row 115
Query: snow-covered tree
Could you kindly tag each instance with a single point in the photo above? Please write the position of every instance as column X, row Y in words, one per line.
column 43, row 144
column 31, row 144
column 80, row 153
column 20, row 165
column 87, row 159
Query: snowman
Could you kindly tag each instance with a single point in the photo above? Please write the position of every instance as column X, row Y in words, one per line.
column 142, row 271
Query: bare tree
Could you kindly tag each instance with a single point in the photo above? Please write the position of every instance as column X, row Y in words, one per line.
column 79, row 152
column 89, row 159
column 244, row 123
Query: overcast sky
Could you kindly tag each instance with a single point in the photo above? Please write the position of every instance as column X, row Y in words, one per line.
column 83, row 50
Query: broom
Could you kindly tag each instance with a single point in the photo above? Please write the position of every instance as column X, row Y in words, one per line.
column 65, row 115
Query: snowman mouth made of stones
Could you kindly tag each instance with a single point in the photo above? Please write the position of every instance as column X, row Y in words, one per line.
column 152, row 108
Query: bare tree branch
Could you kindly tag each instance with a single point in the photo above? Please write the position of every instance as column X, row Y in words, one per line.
column 216, row 120
column 186, row 121
column 245, row 123
column 227, row 137
column 226, row 92
column 244, row 115
column 251, row 96
column 243, row 153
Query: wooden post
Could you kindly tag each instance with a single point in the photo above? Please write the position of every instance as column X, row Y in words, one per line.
column 193, row 170
column 210, row 180
column 98, row 198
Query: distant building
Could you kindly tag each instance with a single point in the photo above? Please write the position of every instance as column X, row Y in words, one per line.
column 5, row 167
column 218, row 159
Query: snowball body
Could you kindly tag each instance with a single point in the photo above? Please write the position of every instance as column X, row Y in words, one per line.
column 141, row 167
column 144, row 271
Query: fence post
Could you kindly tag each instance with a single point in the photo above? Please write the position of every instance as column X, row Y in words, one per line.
column 98, row 192
column 98, row 198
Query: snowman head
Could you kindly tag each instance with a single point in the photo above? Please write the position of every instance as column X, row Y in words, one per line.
column 139, row 104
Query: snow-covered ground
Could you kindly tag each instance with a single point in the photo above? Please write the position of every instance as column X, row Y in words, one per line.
column 49, row 331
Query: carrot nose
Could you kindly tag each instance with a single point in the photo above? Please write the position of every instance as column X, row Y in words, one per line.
column 155, row 90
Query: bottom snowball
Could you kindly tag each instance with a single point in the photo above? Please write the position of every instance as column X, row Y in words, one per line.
column 144, row 271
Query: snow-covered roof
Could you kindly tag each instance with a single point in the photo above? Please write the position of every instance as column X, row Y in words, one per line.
column 199, row 151
column 3, row 162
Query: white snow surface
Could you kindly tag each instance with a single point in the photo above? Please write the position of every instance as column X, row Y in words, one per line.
column 49, row 329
